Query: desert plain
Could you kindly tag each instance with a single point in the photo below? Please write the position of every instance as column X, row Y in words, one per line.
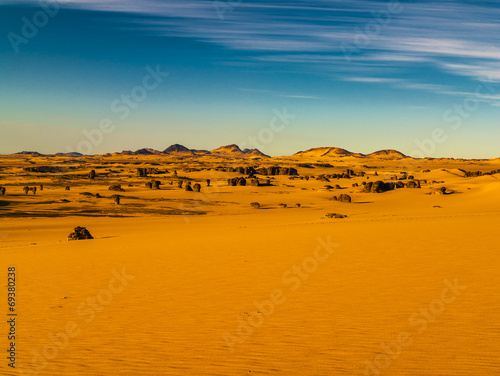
column 400, row 278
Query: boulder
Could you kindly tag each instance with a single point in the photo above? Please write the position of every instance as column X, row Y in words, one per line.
column 255, row 205
column 117, row 188
column 413, row 184
column 197, row 187
column 335, row 215
column 80, row 233
column 92, row 175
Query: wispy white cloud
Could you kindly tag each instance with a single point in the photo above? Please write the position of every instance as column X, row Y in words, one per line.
column 457, row 38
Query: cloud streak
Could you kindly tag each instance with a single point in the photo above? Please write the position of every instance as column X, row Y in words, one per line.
column 456, row 38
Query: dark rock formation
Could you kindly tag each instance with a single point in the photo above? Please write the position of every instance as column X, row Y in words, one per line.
column 80, row 233
column 378, row 187
column 196, row 187
column 2, row 191
column 92, row 175
column 255, row 205
column 188, row 187
column 117, row 188
column 26, row 190
column 282, row 205
column 342, row 198
column 148, row 184
column 116, row 199
column 335, row 215
column 413, row 184
column 155, row 184
column 41, row 169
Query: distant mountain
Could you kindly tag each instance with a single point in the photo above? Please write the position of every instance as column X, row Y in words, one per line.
column 228, row 149
column 387, row 154
column 71, row 154
column 32, row 153
column 147, row 151
column 235, row 151
column 332, row 152
column 177, row 149
column 255, row 153
column 325, row 152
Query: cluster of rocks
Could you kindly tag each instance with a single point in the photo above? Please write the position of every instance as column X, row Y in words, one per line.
column 153, row 184
column 117, row 188
column 195, row 188
column 346, row 175
column 473, row 174
column 260, row 183
column 88, row 194
column 80, row 233
column 240, row 181
column 313, row 165
column 145, row 171
column 442, row 191
column 277, row 170
column 342, row 198
column 29, row 189
column 267, row 171
column 380, row 186
column 335, row 215
column 402, row 177
column 41, row 169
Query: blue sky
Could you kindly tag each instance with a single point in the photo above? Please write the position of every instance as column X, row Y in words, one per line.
column 362, row 75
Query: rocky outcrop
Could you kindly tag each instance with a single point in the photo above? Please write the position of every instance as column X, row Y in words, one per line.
column 237, row 181
column 335, row 215
column 80, row 233
column 144, row 172
column 117, row 188
column 255, row 205
column 41, row 169
column 378, row 187
column 342, row 198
